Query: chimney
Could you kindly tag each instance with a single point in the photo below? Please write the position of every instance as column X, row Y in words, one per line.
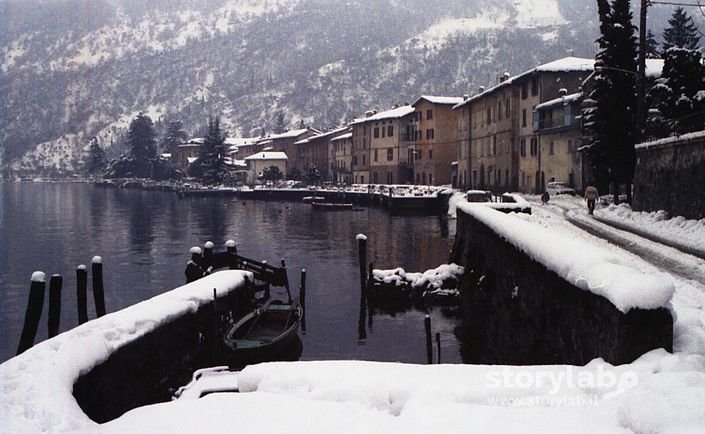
column 563, row 91
column 369, row 113
column 481, row 89
column 465, row 97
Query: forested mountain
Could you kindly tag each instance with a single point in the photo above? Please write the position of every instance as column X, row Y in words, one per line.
column 75, row 69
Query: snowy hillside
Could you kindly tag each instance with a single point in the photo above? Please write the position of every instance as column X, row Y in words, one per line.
column 64, row 80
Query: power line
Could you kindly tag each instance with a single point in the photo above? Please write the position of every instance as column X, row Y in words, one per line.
column 657, row 2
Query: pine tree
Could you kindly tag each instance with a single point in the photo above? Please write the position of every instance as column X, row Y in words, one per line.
column 96, row 161
column 680, row 90
column 279, row 123
column 651, row 46
column 211, row 166
column 142, row 145
column 681, row 32
column 174, row 136
column 609, row 110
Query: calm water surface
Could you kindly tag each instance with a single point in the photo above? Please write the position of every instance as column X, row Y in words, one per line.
column 144, row 238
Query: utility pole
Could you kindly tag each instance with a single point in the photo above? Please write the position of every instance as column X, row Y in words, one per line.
column 641, row 76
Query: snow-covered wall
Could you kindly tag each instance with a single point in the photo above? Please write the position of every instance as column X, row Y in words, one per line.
column 109, row 365
column 670, row 176
column 530, row 297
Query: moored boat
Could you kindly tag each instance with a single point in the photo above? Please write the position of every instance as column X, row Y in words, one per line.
column 266, row 333
column 331, row 206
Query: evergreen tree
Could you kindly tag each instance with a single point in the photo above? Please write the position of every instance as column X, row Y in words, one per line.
column 652, row 48
column 681, row 32
column 211, row 166
column 175, row 135
column 142, row 145
column 279, row 123
column 272, row 173
column 313, row 175
column 680, row 91
column 609, row 110
column 96, row 161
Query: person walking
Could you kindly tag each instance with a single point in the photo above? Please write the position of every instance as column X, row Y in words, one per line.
column 544, row 198
column 591, row 195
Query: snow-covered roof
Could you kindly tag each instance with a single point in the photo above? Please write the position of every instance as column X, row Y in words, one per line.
column 654, row 67
column 566, row 64
column 342, row 137
column 288, row 134
column 267, row 156
column 394, row 113
column 452, row 100
column 322, row 135
column 191, row 159
column 239, row 141
column 559, row 101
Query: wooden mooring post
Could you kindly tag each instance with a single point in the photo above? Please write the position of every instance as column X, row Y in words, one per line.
column 302, row 299
column 429, row 341
column 81, row 293
column 231, row 248
column 362, row 256
column 35, row 304
column 98, row 289
column 54, row 319
column 438, row 346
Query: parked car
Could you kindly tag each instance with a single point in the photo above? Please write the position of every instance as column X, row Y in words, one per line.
column 478, row 196
column 557, row 187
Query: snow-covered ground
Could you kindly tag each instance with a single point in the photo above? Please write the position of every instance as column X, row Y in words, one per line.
column 658, row 393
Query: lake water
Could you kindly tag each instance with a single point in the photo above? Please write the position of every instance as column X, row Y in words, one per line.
column 144, row 238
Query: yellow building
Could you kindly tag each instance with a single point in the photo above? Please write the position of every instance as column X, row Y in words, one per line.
column 391, row 140
column 436, row 139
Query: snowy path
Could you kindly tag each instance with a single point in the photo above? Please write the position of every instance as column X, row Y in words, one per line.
column 686, row 271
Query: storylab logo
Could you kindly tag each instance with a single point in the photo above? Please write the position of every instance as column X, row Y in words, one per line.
column 568, row 386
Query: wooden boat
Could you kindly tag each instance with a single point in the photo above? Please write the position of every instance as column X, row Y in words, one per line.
column 330, row 206
column 265, row 333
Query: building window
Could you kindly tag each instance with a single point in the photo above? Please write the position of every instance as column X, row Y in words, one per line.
column 534, row 146
column 429, row 114
column 494, row 145
column 430, row 154
column 507, row 112
column 570, row 146
column 522, row 147
column 524, row 90
column 489, row 115
column 376, row 133
column 523, row 118
column 390, row 154
column 384, row 131
column 534, row 87
column 363, row 159
column 551, row 148
column 354, row 160
column 390, row 130
column 499, row 110
column 429, row 134
column 418, row 134
column 375, row 155
column 430, row 179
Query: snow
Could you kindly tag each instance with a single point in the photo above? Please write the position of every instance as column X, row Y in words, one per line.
column 37, row 385
column 431, row 279
column 594, row 269
column 659, row 392
column 396, row 113
column 568, row 64
column 97, row 260
column 39, row 276
column 440, row 33
column 561, row 100
column 668, row 140
column 267, row 156
column 361, row 237
column 440, row 99
column 533, row 13
column 342, row 137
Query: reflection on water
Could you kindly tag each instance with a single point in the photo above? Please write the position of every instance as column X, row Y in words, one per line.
column 144, row 238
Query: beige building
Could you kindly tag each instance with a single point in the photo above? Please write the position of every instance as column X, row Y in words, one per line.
column 436, row 139
column 257, row 163
column 341, row 169
column 391, row 143
column 560, row 136
column 361, row 149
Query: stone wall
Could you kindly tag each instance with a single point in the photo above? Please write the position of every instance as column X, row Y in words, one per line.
column 670, row 175
column 516, row 311
column 150, row 368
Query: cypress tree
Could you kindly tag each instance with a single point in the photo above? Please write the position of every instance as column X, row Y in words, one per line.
column 96, row 160
column 211, row 166
column 609, row 110
column 652, row 46
column 142, row 145
column 680, row 91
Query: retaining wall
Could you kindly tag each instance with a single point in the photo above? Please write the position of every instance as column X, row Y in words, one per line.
column 670, row 175
column 516, row 311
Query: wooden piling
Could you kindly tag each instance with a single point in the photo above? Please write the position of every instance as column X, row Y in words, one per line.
column 207, row 255
column 362, row 256
column 33, row 314
column 81, row 296
column 302, row 299
column 98, row 289
column 429, row 341
column 53, row 321
column 231, row 248
column 214, row 341
column 286, row 281
column 438, row 346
